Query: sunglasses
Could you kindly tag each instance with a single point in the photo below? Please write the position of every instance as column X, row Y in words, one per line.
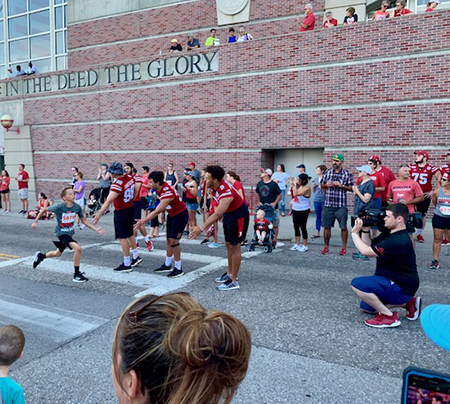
column 445, row 179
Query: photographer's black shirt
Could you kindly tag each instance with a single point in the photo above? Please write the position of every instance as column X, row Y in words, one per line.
column 397, row 260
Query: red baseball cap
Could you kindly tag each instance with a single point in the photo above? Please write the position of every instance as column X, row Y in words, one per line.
column 374, row 157
column 422, row 153
column 192, row 163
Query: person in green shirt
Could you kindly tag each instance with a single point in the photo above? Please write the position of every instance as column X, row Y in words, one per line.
column 12, row 342
column 211, row 39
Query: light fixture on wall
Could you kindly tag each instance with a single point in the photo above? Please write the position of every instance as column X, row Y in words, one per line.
column 7, row 123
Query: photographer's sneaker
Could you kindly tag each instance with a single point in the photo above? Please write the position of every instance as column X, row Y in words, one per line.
column 163, row 268
column 413, row 308
column 228, row 285
column 136, row 261
column 223, row 278
column 176, row 273
column 420, row 239
column 79, row 278
column 38, row 258
column 383, row 321
column 435, row 264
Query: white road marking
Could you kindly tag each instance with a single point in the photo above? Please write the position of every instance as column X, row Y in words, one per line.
column 60, row 327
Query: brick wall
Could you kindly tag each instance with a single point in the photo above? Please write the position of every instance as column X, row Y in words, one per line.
column 362, row 87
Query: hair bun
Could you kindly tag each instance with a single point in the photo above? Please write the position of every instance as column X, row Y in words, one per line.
column 213, row 340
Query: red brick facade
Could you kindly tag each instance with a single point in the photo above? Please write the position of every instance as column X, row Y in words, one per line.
column 376, row 87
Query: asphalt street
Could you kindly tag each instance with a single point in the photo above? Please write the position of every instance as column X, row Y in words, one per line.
column 310, row 343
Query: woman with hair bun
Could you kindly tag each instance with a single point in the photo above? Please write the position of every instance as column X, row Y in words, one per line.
column 171, row 350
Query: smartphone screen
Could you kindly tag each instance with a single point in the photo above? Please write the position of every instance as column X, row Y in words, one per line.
column 422, row 386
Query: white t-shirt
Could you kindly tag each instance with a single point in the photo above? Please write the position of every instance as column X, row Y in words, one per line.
column 282, row 177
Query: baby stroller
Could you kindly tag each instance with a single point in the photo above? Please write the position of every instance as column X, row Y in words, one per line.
column 268, row 243
column 94, row 204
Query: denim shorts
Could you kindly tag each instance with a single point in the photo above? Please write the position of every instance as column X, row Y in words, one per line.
column 386, row 290
column 192, row 206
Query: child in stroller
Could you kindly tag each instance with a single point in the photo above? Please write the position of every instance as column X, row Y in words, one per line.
column 263, row 226
column 94, row 204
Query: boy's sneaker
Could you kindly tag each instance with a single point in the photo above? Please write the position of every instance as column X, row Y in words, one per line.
column 228, row 285
column 38, row 258
column 149, row 245
column 420, row 238
column 82, row 226
column 176, row 273
column 223, row 278
column 413, row 308
column 136, row 261
column 205, row 241
column 435, row 264
column 123, row 268
column 79, row 278
column 213, row 245
column 163, row 268
column 384, row 321
column 325, row 250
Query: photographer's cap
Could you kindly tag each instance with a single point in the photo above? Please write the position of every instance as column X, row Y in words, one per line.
column 365, row 168
column 338, row 156
column 435, row 320
column 116, row 168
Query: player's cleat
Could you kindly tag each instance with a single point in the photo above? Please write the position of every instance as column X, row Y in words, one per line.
column 79, row 278
column 123, row 268
column 136, row 261
column 176, row 273
column 163, row 268
column 445, row 242
column 420, row 238
column 343, row 252
column 38, row 258
column 324, row 251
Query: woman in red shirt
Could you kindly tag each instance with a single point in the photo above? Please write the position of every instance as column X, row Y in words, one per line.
column 4, row 191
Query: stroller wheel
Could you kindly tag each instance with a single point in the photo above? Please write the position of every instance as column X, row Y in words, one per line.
column 267, row 249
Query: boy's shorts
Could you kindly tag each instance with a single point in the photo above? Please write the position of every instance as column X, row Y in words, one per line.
column 64, row 242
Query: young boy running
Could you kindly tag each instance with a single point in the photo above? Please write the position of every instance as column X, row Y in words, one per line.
column 66, row 214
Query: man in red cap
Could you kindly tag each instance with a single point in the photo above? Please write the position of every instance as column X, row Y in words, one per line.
column 388, row 175
column 422, row 172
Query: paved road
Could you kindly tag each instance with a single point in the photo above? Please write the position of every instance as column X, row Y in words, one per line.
column 309, row 341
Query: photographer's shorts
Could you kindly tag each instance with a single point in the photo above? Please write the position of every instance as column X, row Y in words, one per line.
column 386, row 290
column 329, row 215
column 423, row 206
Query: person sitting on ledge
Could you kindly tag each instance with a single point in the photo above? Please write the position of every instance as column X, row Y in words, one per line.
column 32, row 69
column 400, row 9
column 396, row 280
column 176, row 47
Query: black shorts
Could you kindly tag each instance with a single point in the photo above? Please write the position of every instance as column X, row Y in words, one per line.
column 144, row 203
column 176, row 225
column 423, row 206
column 5, row 191
column 441, row 222
column 64, row 242
column 137, row 210
column 124, row 222
column 235, row 225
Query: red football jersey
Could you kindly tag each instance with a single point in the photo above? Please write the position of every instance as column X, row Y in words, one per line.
column 124, row 186
column 445, row 168
column 423, row 175
column 176, row 205
column 227, row 191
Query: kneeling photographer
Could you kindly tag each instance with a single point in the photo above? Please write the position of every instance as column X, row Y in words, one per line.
column 396, row 280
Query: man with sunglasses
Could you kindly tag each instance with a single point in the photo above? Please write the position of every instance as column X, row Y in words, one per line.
column 336, row 182
column 310, row 19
